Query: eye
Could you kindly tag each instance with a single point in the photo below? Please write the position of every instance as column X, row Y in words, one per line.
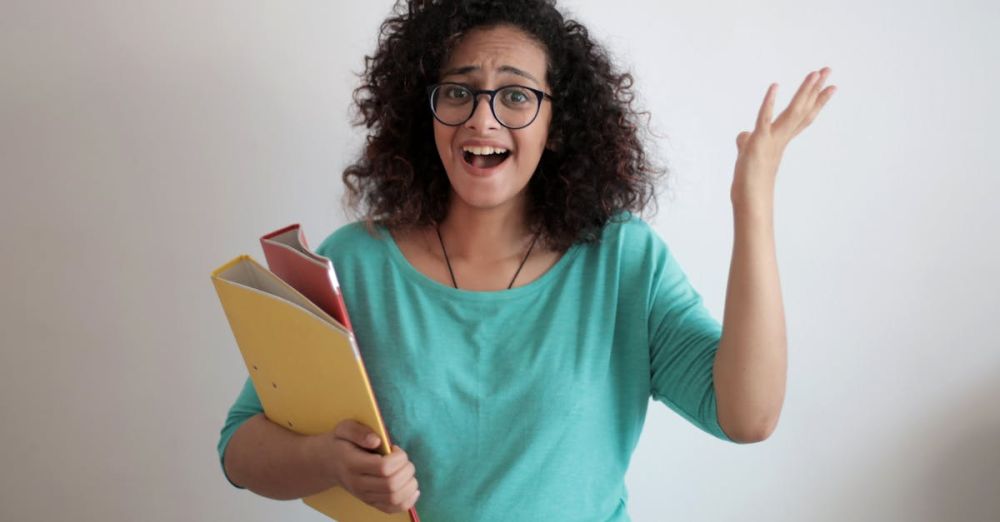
column 455, row 92
column 516, row 97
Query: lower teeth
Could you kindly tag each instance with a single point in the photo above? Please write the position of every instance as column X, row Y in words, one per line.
column 486, row 161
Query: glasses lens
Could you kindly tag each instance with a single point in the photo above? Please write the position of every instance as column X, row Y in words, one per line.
column 452, row 104
column 516, row 106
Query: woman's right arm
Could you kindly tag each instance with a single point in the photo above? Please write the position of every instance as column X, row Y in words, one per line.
column 278, row 463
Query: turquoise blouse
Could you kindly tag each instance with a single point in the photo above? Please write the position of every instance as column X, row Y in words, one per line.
column 525, row 404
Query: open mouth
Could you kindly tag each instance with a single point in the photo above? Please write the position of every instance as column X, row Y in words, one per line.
column 485, row 161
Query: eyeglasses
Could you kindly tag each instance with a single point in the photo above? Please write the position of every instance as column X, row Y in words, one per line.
column 453, row 104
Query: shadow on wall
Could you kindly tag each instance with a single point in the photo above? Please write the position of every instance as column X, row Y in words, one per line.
column 943, row 467
column 962, row 471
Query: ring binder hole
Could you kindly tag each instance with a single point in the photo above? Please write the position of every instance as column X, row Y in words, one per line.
column 255, row 367
column 290, row 424
column 275, row 385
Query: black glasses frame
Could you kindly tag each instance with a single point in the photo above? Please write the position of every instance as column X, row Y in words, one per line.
column 539, row 96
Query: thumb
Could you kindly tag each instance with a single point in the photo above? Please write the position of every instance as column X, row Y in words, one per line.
column 741, row 139
column 357, row 433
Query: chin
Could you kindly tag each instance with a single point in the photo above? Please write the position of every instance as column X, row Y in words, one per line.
column 482, row 198
column 486, row 192
column 481, row 201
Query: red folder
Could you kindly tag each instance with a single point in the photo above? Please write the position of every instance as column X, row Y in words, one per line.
column 288, row 257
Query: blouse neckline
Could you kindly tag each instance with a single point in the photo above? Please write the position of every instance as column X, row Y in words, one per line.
column 411, row 273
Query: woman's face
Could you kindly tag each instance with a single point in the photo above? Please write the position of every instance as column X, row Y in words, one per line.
column 488, row 59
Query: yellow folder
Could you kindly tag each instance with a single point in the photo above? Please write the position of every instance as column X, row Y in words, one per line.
column 305, row 367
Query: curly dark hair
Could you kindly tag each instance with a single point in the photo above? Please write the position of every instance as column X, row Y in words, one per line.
column 598, row 166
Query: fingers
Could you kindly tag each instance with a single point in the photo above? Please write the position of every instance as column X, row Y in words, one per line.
column 386, row 482
column 362, row 464
column 804, row 106
column 403, row 506
column 823, row 98
column 806, row 89
column 766, row 109
column 378, row 473
column 383, row 466
column 824, row 73
column 389, row 484
column 817, row 99
column 412, row 501
column 398, row 498
column 358, row 434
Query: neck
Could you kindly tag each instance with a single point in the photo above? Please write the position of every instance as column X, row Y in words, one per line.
column 486, row 235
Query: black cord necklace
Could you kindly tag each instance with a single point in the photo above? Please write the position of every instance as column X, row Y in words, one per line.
column 448, row 261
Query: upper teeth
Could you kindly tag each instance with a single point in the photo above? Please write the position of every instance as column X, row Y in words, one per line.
column 482, row 151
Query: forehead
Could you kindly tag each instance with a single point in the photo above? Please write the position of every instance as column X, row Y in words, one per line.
column 497, row 50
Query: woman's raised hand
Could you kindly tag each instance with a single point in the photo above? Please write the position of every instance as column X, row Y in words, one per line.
column 385, row 482
column 760, row 151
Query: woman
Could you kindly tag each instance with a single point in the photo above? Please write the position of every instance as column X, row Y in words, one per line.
column 516, row 315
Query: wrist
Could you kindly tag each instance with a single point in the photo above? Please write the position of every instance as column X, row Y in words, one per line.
column 761, row 209
column 315, row 451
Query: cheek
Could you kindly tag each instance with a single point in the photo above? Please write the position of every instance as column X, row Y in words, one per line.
column 547, row 129
column 442, row 139
column 533, row 143
column 540, row 134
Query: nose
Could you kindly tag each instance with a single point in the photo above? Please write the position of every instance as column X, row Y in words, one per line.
column 482, row 115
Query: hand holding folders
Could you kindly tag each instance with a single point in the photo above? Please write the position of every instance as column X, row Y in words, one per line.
column 294, row 334
column 385, row 482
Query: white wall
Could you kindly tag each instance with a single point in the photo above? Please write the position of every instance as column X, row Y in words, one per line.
column 144, row 143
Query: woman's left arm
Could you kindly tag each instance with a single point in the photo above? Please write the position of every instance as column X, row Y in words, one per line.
column 751, row 362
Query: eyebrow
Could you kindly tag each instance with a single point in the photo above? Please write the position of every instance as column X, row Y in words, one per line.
column 503, row 68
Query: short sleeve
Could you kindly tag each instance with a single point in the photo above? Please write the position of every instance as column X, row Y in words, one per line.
column 247, row 405
column 684, row 338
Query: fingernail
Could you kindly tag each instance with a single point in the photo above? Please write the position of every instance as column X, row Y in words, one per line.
column 372, row 439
